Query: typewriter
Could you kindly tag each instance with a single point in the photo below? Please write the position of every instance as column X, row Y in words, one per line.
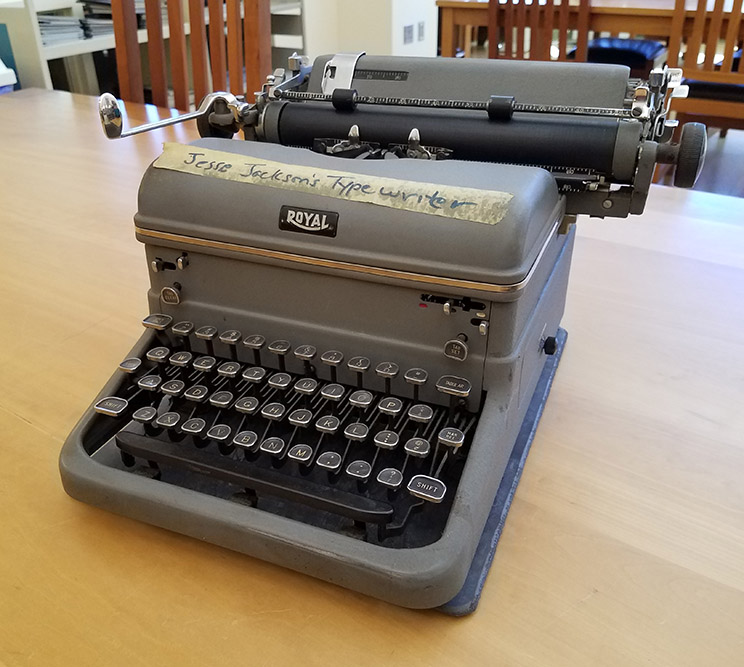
column 351, row 308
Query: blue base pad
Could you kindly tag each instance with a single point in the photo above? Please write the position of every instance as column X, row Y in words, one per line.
column 466, row 601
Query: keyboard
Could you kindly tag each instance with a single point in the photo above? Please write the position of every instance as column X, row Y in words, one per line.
column 224, row 413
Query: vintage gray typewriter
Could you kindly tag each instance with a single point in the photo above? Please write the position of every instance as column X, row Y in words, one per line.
column 350, row 310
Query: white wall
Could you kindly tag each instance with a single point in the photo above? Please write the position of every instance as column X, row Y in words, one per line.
column 373, row 26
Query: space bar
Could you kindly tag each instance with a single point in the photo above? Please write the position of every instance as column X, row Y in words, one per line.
column 258, row 479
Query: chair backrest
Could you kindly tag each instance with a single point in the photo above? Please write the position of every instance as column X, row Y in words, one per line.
column 243, row 27
column 711, row 30
column 527, row 28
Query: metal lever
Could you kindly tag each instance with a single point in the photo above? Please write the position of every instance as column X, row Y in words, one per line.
column 110, row 113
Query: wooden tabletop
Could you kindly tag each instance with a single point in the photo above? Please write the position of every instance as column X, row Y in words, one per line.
column 625, row 542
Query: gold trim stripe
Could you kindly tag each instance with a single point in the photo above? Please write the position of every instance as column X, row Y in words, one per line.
column 350, row 266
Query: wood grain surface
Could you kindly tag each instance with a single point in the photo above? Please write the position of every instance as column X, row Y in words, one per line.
column 625, row 542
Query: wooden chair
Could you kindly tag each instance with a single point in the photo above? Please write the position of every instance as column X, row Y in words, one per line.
column 213, row 67
column 716, row 90
column 527, row 28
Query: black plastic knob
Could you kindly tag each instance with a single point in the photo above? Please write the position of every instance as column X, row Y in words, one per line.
column 550, row 346
column 691, row 155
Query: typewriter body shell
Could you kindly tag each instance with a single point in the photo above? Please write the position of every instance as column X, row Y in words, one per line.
column 391, row 284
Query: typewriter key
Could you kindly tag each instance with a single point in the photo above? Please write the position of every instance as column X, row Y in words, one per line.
column 168, row 420
column 130, row 365
column 418, row 447
column 427, row 488
column 255, row 343
column 246, row 440
column 421, row 413
column 361, row 399
column 194, row 426
column 306, row 353
column 220, row 433
column 280, row 348
column 332, row 358
column 359, row 365
column 207, row 334
column 254, row 374
column 205, row 364
column 417, row 377
column 247, row 405
column 145, row 415
column 149, row 382
column 451, row 437
column 331, row 461
column 273, row 411
column 359, row 469
column 157, row 321
column 386, row 439
column 182, row 330
column 328, row 424
column 231, row 338
column 180, row 359
column 356, row 431
column 280, row 381
column 273, row 446
column 390, row 477
column 228, row 369
column 158, row 354
column 221, row 399
column 333, row 392
column 197, row 393
column 387, row 370
column 306, row 386
column 111, row 406
column 173, row 387
column 300, row 417
column 301, row 453
column 390, row 406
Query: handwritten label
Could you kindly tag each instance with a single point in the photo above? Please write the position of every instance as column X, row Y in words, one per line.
column 460, row 203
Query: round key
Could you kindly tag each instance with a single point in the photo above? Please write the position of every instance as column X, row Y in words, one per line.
column 111, row 406
column 145, row 415
column 328, row 424
column 245, row 439
column 197, row 393
column 194, row 426
column 305, row 352
column 254, row 374
column 356, row 431
column 230, row 337
column 205, row 364
column 180, row 359
column 183, row 329
column 332, row 358
column 358, row 364
column 221, row 399
column 168, row 420
column 421, row 413
column 219, row 433
column 300, row 417
column 359, row 469
column 451, row 437
column 228, row 369
column 158, row 354
column 330, row 461
column 247, row 405
column 273, row 446
column 387, row 370
column 333, row 392
column 280, row 348
column 255, row 342
column 390, row 477
column 386, row 439
column 173, row 387
column 417, row 447
column 130, row 365
column 300, row 453
column 280, row 380
column 417, row 377
column 157, row 321
column 149, row 382
column 206, row 333
column 306, row 386
column 390, row 406
column 454, row 386
column 361, row 399
column 273, row 411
